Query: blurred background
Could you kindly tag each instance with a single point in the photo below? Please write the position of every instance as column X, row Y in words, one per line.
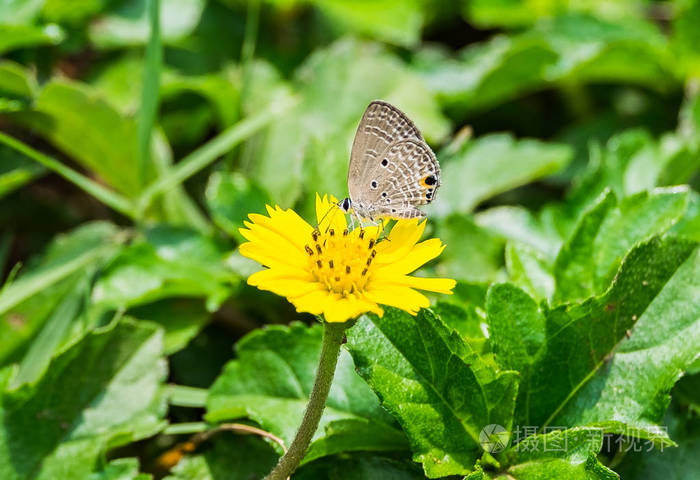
column 136, row 138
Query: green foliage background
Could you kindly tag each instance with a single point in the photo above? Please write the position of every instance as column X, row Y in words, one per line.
column 136, row 136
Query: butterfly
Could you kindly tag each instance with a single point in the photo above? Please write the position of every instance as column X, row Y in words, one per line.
column 392, row 170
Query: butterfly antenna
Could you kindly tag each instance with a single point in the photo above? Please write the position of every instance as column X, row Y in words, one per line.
column 330, row 220
column 324, row 217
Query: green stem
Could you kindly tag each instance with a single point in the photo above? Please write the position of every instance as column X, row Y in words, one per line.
column 110, row 198
column 210, row 151
column 332, row 338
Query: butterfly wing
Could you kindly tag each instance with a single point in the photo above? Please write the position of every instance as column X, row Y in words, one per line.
column 392, row 169
column 411, row 177
column 381, row 126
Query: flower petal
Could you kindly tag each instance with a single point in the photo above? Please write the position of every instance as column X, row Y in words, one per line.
column 437, row 285
column 398, row 296
column 328, row 215
column 421, row 254
column 272, row 255
column 315, row 302
column 403, row 236
column 350, row 307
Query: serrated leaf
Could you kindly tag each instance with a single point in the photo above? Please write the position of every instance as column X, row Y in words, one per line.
column 103, row 391
column 570, row 454
column 447, row 395
column 587, row 262
column 276, row 396
column 532, row 338
column 630, row 393
column 511, row 163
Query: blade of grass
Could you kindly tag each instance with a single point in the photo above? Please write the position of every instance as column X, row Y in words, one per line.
column 29, row 285
column 5, row 243
column 149, row 94
column 213, row 149
column 52, row 334
column 110, row 198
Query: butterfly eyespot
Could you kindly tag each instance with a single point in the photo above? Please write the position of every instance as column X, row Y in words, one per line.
column 388, row 200
column 393, row 210
column 384, row 194
column 385, row 162
column 427, row 181
column 428, row 195
column 373, row 184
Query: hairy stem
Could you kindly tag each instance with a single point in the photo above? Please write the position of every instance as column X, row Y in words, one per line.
column 332, row 338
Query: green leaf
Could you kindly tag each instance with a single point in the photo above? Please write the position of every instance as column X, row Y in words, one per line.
column 520, row 13
column 447, row 395
column 360, row 467
column 518, row 224
column 20, row 12
column 17, row 87
column 570, row 454
column 13, row 37
column 70, row 12
column 473, row 254
column 167, row 262
column 231, row 457
column 399, row 23
column 181, row 318
column 81, row 123
column 678, row 463
column 231, row 197
column 27, row 302
column 102, row 392
column 120, row 469
column 528, row 270
column 511, row 163
column 631, row 393
column 685, row 36
column 54, row 333
column 633, row 161
column 587, row 262
column 15, row 170
column 127, row 24
column 532, row 338
column 564, row 50
column 270, row 382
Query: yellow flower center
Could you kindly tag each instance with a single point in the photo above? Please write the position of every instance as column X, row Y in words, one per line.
column 341, row 261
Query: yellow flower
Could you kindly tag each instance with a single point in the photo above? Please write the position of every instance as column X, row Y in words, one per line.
column 339, row 273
